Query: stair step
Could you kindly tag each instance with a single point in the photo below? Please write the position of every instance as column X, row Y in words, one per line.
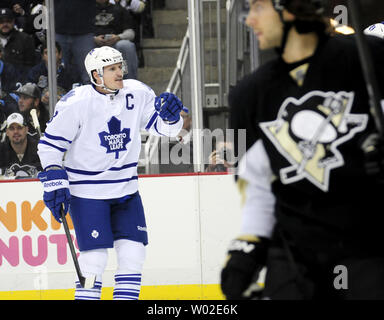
column 183, row 4
column 169, row 17
column 160, row 57
column 169, row 31
column 176, row 4
column 153, row 74
column 170, row 24
column 181, row 16
column 156, row 78
column 161, row 52
column 155, row 43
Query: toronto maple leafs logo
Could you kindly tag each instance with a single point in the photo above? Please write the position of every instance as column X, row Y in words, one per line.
column 116, row 140
column 308, row 131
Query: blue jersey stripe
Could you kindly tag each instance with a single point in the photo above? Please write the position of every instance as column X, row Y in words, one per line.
column 129, row 165
column 89, row 173
column 92, row 173
column 52, row 145
column 158, row 130
column 151, row 121
column 102, row 181
column 52, row 137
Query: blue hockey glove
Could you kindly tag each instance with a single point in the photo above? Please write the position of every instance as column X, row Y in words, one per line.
column 56, row 191
column 169, row 106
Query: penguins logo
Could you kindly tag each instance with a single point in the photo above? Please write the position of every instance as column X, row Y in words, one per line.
column 308, row 131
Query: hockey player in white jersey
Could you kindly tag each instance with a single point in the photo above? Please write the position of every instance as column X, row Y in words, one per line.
column 97, row 127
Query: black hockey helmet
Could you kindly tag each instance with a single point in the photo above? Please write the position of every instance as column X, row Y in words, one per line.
column 310, row 17
column 301, row 8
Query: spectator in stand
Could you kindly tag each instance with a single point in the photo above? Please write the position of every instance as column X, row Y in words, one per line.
column 4, row 114
column 114, row 27
column 221, row 159
column 8, row 101
column 18, row 47
column 136, row 6
column 30, row 98
column 140, row 11
column 39, row 73
column 6, row 109
column 8, row 105
column 74, row 23
column 19, row 152
column 35, row 25
column 22, row 11
column 9, row 77
column 45, row 96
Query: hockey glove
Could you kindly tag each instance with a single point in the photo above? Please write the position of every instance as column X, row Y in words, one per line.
column 169, row 106
column 373, row 148
column 246, row 258
column 56, row 191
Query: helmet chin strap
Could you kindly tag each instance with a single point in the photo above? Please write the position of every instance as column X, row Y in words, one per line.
column 286, row 28
column 103, row 86
column 302, row 27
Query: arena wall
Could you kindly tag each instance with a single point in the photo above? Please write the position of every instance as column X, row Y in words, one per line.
column 190, row 218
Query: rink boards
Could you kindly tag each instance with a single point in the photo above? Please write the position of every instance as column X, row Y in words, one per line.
column 190, row 220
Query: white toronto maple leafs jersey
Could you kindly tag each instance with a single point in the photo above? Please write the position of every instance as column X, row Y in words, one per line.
column 100, row 137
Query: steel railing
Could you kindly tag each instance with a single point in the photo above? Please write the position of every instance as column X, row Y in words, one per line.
column 241, row 57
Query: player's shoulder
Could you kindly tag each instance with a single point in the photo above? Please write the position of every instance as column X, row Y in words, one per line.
column 345, row 46
column 348, row 43
column 339, row 43
column 76, row 96
column 136, row 85
column 350, row 40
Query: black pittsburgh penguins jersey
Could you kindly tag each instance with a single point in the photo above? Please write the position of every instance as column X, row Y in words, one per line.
column 312, row 117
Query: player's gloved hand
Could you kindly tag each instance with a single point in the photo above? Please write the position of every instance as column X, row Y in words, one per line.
column 56, row 191
column 373, row 148
column 247, row 256
column 169, row 107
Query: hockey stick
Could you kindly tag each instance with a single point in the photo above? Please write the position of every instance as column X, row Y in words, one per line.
column 35, row 120
column 365, row 57
column 86, row 283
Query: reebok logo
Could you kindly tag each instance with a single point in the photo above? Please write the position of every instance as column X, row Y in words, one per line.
column 53, row 184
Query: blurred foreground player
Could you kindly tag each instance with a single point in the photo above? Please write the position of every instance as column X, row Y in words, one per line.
column 313, row 175
column 98, row 128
